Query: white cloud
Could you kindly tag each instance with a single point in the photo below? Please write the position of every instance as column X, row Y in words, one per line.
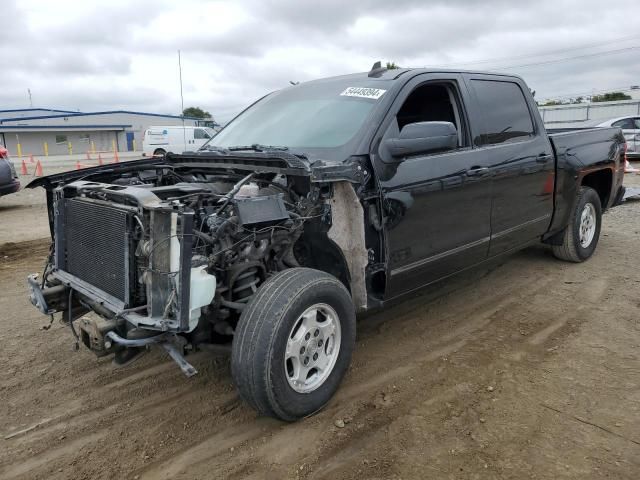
column 117, row 54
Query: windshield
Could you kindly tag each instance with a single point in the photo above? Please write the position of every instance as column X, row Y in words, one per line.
column 309, row 116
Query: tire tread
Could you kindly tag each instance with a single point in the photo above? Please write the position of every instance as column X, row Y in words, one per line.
column 258, row 323
column 568, row 251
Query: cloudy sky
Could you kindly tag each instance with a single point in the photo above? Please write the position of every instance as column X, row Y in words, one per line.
column 122, row 54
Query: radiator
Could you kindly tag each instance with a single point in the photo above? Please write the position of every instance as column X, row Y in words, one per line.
column 97, row 246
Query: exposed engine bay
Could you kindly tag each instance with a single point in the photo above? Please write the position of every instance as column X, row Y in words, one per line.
column 173, row 257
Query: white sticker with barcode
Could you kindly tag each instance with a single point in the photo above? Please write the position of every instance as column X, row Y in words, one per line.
column 363, row 92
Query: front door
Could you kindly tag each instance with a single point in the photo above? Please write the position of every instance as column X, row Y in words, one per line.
column 436, row 206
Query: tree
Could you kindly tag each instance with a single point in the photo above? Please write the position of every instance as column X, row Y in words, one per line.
column 196, row 112
column 392, row 66
column 550, row 103
column 610, row 97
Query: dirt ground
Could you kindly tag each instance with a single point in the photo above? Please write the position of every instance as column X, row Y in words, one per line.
column 528, row 369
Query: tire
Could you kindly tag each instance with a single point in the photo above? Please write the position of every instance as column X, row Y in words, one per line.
column 159, row 152
column 267, row 355
column 580, row 239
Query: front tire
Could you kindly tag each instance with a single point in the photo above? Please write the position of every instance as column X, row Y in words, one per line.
column 293, row 343
column 581, row 235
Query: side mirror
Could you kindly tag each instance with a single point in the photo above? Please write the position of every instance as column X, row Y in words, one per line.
column 423, row 137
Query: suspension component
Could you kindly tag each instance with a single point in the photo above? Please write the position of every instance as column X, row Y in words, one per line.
column 245, row 285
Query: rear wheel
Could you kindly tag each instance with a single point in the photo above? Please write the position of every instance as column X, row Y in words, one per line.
column 293, row 343
column 581, row 235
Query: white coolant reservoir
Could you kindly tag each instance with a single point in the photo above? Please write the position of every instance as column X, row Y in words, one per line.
column 203, row 288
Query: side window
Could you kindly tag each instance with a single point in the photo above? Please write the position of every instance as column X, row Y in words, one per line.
column 504, row 110
column 626, row 123
column 429, row 102
column 200, row 134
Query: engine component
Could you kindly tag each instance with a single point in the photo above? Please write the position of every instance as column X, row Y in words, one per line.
column 260, row 210
column 203, row 287
column 166, row 256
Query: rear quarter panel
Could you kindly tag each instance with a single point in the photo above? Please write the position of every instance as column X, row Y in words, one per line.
column 579, row 153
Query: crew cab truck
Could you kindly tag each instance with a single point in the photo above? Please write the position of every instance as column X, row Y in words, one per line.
column 318, row 202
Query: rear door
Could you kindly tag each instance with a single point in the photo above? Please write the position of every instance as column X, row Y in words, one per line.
column 437, row 205
column 521, row 160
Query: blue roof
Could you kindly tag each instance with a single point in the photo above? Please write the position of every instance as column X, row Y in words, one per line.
column 107, row 112
column 81, row 127
column 37, row 110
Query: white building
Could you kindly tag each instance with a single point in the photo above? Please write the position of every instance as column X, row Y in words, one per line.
column 556, row 116
column 40, row 131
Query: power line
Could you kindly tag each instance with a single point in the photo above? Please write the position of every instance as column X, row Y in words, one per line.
column 548, row 52
column 550, row 62
column 577, row 57
column 592, row 92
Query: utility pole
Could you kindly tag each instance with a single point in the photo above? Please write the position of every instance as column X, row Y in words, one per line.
column 30, row 99
column 184, row 133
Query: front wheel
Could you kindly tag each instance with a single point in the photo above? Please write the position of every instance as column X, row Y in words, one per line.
column 581, row 235
column 293, row 343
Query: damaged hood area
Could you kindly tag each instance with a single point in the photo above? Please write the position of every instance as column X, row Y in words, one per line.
column 278, row 162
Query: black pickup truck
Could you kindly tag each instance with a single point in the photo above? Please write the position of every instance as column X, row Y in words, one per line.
column 317, row 202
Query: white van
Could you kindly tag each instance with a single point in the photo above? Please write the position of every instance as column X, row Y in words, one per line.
column 174, row 139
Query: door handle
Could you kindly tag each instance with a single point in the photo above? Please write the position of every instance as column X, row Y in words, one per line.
column 477, row 171
column 543, row 157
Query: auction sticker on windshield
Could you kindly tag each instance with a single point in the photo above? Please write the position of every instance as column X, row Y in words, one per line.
column 363, row 92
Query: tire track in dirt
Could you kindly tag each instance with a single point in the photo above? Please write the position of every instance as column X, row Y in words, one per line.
column 416, row 392
column 450, row 341
column 50, row 456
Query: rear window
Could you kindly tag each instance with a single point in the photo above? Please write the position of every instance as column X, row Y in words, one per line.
column 505, row 112
column 626, row 123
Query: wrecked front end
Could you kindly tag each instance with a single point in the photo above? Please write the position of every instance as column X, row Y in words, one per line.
column 170, row 253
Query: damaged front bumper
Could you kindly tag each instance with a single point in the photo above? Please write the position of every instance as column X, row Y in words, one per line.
column 99, row 334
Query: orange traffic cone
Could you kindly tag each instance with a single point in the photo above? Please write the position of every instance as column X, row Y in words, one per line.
column 628, row 168
column 23, row 169
column 38, row 172
column 78, row 167
column 100, row 159
column 31, row 159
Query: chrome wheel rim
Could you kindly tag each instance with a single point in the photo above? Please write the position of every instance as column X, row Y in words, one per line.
column 313, row 346
column 587, row 225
